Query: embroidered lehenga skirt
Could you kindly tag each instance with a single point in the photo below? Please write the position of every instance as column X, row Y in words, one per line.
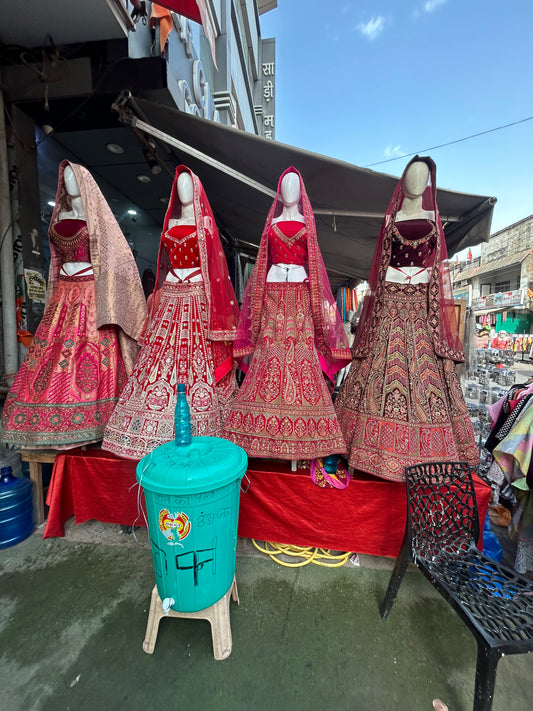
column 283, row 409
column 71, row 376
column 176, row 350
column 403, row 405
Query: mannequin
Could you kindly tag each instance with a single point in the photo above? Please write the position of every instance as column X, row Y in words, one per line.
column 184, row 190
column 290, row 194
column 420, row 222
column 188, row 335
column 85, row 345
column 71, row 220
column 401, row 403
column 415, row 183
column 289, row 336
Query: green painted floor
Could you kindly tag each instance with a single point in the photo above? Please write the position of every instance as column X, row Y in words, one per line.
column 73, row 617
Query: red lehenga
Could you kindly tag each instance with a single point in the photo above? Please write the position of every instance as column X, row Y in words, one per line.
column 191, row 325
column 401, row 403
column 84, row 347
column 292, row 331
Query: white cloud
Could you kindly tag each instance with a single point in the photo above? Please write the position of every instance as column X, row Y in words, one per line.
column 431, row 5
column 372, row 28
column 393, row 152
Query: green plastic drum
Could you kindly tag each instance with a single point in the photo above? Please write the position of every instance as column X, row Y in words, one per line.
column 192, row 503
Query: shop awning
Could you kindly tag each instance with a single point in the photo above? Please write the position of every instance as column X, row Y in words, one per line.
column 240, row 172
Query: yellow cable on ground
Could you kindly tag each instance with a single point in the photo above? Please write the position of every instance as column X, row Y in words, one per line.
column 306, row 553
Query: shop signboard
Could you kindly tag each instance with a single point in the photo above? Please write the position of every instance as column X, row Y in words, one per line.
column 499, row 300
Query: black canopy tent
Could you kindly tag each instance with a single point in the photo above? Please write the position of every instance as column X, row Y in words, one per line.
column 240, row 172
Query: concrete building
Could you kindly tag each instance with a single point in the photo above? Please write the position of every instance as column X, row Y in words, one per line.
column 62, row 66
column 498, row 284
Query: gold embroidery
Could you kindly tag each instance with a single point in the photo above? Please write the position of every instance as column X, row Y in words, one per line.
column 411, row 242
column 289, row 241
column 180, row 240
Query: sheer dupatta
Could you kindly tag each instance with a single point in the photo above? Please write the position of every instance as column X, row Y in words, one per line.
column 120, row 297
column 223, row 312
column 442, row 320
column 330, row 337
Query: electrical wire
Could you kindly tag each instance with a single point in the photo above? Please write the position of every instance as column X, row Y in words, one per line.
column 450, row 143
column 306, row 554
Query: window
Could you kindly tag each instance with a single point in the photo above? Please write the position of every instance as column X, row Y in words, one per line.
column 502, row 286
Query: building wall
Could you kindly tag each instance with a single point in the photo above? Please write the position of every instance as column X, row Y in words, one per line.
column 514, row 238
column 226, row 93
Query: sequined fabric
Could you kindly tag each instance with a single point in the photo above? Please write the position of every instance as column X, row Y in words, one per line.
column 402, row 404
column 283, row 408
column 71, row 376
column 176, row 350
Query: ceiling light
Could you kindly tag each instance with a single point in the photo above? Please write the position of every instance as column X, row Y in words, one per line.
column 164, row 200
column 132, row 212
column 114, row 148
column 51, row 203
column 143, row 179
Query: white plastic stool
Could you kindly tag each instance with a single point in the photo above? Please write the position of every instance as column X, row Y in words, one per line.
column 217, row 614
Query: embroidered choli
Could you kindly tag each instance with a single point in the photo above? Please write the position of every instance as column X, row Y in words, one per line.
column 287, row 243
column 71, row 240
column 181, row 243
column 413, row 242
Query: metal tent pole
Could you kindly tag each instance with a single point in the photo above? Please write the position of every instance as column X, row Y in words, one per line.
column 7, row 270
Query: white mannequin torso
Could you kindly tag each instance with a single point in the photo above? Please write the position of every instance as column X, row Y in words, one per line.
column 290, row 194
column 185, row 195
column 76, row 212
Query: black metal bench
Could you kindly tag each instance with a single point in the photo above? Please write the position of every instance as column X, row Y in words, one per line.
column 441, row 534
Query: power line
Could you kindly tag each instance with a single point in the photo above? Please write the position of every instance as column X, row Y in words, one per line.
column 450, row 143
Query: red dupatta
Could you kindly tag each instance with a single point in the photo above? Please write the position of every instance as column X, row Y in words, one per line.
column 442, row 320
column 223, row 312
column 330, row 337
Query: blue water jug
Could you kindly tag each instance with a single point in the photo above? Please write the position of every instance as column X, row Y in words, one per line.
column 16, row 508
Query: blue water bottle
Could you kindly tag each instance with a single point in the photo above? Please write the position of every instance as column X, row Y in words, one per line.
column 182, row 418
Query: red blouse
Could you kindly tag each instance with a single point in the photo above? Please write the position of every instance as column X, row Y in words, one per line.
column 71, row 240
column 413, row 242
column 181, row 243
column 287, row 243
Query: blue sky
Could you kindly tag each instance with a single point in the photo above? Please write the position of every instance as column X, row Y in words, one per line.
column 367, row 80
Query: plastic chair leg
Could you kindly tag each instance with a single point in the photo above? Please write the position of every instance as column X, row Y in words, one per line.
column 400, row 566
column 487, row 662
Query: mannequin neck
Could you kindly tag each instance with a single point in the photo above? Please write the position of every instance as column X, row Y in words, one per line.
column 412, row 210
column 186, row 218
column 76, row 212
column 289, row 213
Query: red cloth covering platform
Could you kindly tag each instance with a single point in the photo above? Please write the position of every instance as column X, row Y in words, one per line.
column 281, row 506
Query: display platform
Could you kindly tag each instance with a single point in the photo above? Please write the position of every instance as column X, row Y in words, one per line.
column 279, row 505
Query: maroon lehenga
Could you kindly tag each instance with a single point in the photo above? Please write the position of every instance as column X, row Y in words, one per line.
column 192, row 321
column 292, row 332
column 401, row 403
column 75, row 367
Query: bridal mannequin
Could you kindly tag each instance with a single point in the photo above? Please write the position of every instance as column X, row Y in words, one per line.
column 416, row 180
column 76, row 212
column 290, row 194
column 185, row 191
column 415, row 183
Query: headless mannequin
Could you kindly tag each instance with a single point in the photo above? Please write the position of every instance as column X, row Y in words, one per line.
column 415, row 182
column 290, row 194
column 76, row 212
column 185, row 195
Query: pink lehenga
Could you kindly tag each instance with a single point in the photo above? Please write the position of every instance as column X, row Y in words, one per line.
column 85, row 345
column 401, row 403
column 293, row 334
column 188, row 338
